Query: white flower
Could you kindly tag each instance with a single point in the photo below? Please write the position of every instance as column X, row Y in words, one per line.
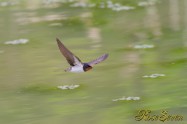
column 147, row 3
column 129, row 98
column 136, row 98
column 65, row 87
column 126, row 98
column 19, row 41
column 143, row 46
column 153, row 75
column 79, row 4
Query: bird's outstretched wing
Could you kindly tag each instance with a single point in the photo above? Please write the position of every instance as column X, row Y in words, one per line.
column 70, row 57
column 98, row 60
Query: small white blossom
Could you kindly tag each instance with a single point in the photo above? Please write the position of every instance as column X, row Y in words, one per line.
column 126, row 98
column 70, row 87
column 153, row 75
column 147, row 3
column 143, row 46
column 19, row 41
column 108, row 4
column 79, row 4
column 4, row 4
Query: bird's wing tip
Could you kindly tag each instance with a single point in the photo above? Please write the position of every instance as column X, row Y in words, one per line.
column 106, row 54
column 57, row 39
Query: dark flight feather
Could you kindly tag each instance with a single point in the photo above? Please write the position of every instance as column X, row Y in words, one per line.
column 98, row 60
column 67, row 54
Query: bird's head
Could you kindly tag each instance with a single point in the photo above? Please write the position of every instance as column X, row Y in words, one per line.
column 87, row 67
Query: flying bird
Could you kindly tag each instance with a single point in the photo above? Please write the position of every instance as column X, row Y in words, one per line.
column 75, row 63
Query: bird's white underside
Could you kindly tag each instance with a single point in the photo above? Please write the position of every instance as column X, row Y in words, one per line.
column 77, row 68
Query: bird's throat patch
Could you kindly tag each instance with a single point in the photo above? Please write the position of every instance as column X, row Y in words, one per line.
column 86, row 67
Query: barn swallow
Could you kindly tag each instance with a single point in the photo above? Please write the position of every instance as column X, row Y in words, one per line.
column 75, row 63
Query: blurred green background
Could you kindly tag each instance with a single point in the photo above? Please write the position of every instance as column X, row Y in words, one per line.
column 31, row 72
